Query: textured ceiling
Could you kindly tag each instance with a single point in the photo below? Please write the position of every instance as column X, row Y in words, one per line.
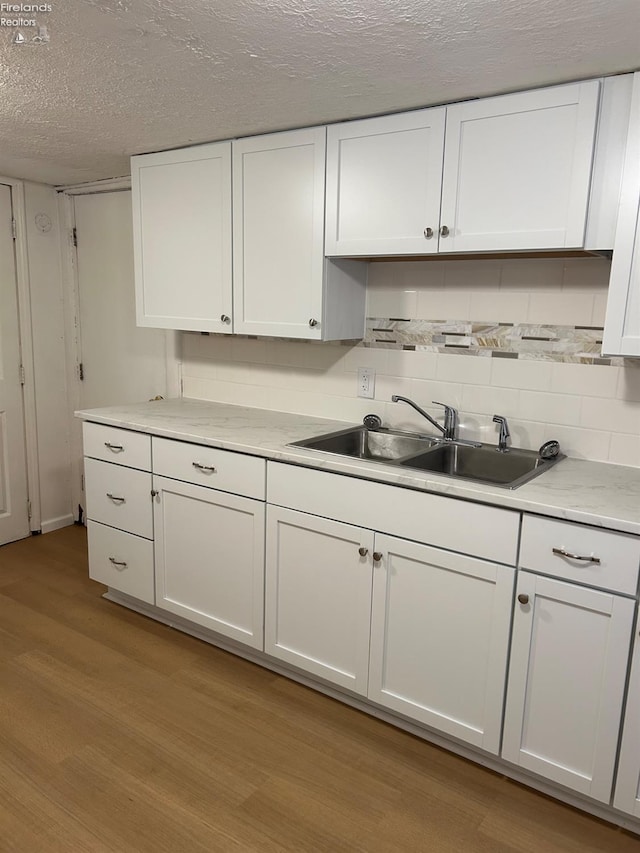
column 120, row 77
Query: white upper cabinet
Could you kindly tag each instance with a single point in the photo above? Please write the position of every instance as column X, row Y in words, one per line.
column 622, row 324
column 282, row 284
column 516, row 176
column 383, row 184
column 182, row 238
column 517, row 170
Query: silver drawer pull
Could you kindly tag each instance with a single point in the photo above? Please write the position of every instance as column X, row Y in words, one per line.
column 116, row 499
column 117, row 448
column 118, row 562
column 560, row 552
column 208, row 469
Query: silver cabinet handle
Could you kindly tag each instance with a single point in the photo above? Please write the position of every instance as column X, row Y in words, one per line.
column 560, row 552
column 209, row 469
column 225, row 318
column 117, row 562
column 117, row 448
column 363, row 552
column 116, row 499
column 313, row 322
column 377, row 556
column 444, row 231
column 523, row 598
column 428, row 233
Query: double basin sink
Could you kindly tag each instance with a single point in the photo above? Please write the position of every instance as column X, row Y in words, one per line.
column 481, row 463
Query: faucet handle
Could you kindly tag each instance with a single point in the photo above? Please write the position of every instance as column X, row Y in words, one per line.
column 450, row 420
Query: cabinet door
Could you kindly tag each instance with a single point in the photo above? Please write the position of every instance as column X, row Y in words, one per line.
column 439, row 639
column 182, row 238
column 567, row 674
column 622, row 323
column 517, row 170
column 627, row 792
column 278, row 233
column 384, row 178
column 318, row 596
column 210, row 558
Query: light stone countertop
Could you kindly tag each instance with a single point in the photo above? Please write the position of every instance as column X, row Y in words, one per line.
column 595, row 493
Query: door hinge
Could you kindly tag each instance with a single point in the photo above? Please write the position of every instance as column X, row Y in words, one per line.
column 14, row 229
column 81, row 372
column 21, row 374
column 74, row 237
column 82, row 482
column 29, row 509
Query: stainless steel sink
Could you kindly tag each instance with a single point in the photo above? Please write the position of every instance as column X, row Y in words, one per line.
column 382, row 445
column 483, row 464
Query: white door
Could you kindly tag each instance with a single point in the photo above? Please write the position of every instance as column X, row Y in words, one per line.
column 278, row 233
column 182, row 238
column 14, row 517
column 318, row 596
column 517, row 170
column 627, row 792
column 384, row 178
column 209, row 558
column 440, row 638
column 121, row 363
column 569, row 656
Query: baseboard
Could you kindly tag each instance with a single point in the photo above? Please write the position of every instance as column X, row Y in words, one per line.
column 56, row 523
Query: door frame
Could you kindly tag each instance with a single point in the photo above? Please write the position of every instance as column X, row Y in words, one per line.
column 72, row 330
column 25, row 326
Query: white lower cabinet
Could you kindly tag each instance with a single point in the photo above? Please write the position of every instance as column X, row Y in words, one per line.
column 567, row 675
column 318, row 596
column 627, row 791
column 209, row 558
column 121, row 560
column 440, row 638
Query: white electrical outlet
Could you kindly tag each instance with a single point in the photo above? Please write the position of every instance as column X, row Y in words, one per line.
column 366, row 382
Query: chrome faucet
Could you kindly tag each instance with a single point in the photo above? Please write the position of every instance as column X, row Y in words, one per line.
column 449, row 430
column 504, row 435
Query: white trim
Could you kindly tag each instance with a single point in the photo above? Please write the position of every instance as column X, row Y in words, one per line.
column 56, row 523
column 69, row 270
column 26, row 348
column 106, row 186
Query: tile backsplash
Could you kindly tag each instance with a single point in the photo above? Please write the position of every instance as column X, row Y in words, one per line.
column 514, row 337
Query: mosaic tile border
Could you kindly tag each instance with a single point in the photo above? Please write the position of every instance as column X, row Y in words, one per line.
column 571, row 344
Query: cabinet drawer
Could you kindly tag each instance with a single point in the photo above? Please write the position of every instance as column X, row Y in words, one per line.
column 209, row 466
column 119, row 497
column 482, row 531
column 121, row 561
column 616, row 555
column 122, row 446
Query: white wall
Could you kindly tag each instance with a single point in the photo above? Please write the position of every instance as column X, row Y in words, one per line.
column 52, row 410
column 593, row 409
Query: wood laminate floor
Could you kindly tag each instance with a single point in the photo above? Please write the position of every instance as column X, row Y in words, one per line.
column 120, row 734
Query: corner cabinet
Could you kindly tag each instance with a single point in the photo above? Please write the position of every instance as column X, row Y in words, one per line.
column 516, row 176
column 622, row 324
column 283, row 286
column 182, row 238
